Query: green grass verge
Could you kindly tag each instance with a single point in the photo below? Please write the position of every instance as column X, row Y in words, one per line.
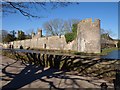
column 108, row 50
column 54, row 50
column 103, row 52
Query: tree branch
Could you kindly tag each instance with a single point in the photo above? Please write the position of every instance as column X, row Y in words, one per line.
column 23, row 12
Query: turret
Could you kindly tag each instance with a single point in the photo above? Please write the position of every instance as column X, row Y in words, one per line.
column 88, row 36
column 32, row 34
column 40, row 32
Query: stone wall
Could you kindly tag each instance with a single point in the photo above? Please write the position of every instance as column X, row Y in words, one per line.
column 53, row 42
column 88, row 36
column 38, row 35
column 87, row 40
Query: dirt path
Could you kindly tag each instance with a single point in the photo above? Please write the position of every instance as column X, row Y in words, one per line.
column 15, row 74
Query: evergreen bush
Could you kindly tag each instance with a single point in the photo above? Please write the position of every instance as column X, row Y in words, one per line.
column 71, row 36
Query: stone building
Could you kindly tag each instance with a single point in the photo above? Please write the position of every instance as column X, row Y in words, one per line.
column 38, row 35
column 88, row 36
column 87, row 40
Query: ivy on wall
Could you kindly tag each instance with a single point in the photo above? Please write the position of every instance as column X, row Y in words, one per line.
column 71, row 36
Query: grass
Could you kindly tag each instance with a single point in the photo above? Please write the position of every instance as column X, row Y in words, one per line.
column 8, row 54
column 108, row 50
column 104, row 52
column 71, row 52
column 82, row 53
column 55, row 50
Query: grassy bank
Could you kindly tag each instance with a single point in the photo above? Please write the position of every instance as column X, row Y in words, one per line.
column 70, row 52
column 108, row 50
column 54, row 50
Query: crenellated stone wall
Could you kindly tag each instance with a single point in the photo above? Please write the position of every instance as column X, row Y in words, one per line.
column 38, row 35
column 88, row 36
column 53, row 42
column 87, row 40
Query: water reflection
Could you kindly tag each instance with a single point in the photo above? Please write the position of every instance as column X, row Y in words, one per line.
column 113, row 55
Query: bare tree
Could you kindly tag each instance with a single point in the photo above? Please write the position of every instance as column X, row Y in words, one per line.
column 26, row 8
column 69, row 24
column 107, row 32
column 59, row 26
column 54, row 27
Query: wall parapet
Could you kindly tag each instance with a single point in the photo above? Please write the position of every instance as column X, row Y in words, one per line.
column 53, row 42
column 87, row 40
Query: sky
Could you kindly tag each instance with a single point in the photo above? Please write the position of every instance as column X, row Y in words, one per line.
column 107, row 12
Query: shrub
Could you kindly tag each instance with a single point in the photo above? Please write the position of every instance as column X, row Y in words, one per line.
column 71, row 36
column 74, row 28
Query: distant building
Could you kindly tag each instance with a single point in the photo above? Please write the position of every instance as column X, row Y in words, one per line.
column 108, row 42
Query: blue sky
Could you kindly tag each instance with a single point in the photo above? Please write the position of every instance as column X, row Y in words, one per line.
column 107, row 12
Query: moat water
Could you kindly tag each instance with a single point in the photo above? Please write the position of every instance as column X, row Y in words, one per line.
column 113, row 55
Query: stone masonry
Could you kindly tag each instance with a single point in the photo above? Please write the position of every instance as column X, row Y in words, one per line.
column 88, row 36
column 87, row 40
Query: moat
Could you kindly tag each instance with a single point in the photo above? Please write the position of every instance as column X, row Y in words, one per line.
column 115, row 54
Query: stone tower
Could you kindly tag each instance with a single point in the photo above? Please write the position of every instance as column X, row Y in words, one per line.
column 40, row 32
column 88, row 36
column 32, row 34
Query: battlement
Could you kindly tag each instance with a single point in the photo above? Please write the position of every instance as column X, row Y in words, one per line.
column 89, row 24
column 87, row 39
column 90, row 20
column 88, row 35
column 86, row 20
column 38, row 35
column 40, row 32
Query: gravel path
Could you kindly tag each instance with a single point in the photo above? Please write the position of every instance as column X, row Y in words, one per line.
column 16, row 75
